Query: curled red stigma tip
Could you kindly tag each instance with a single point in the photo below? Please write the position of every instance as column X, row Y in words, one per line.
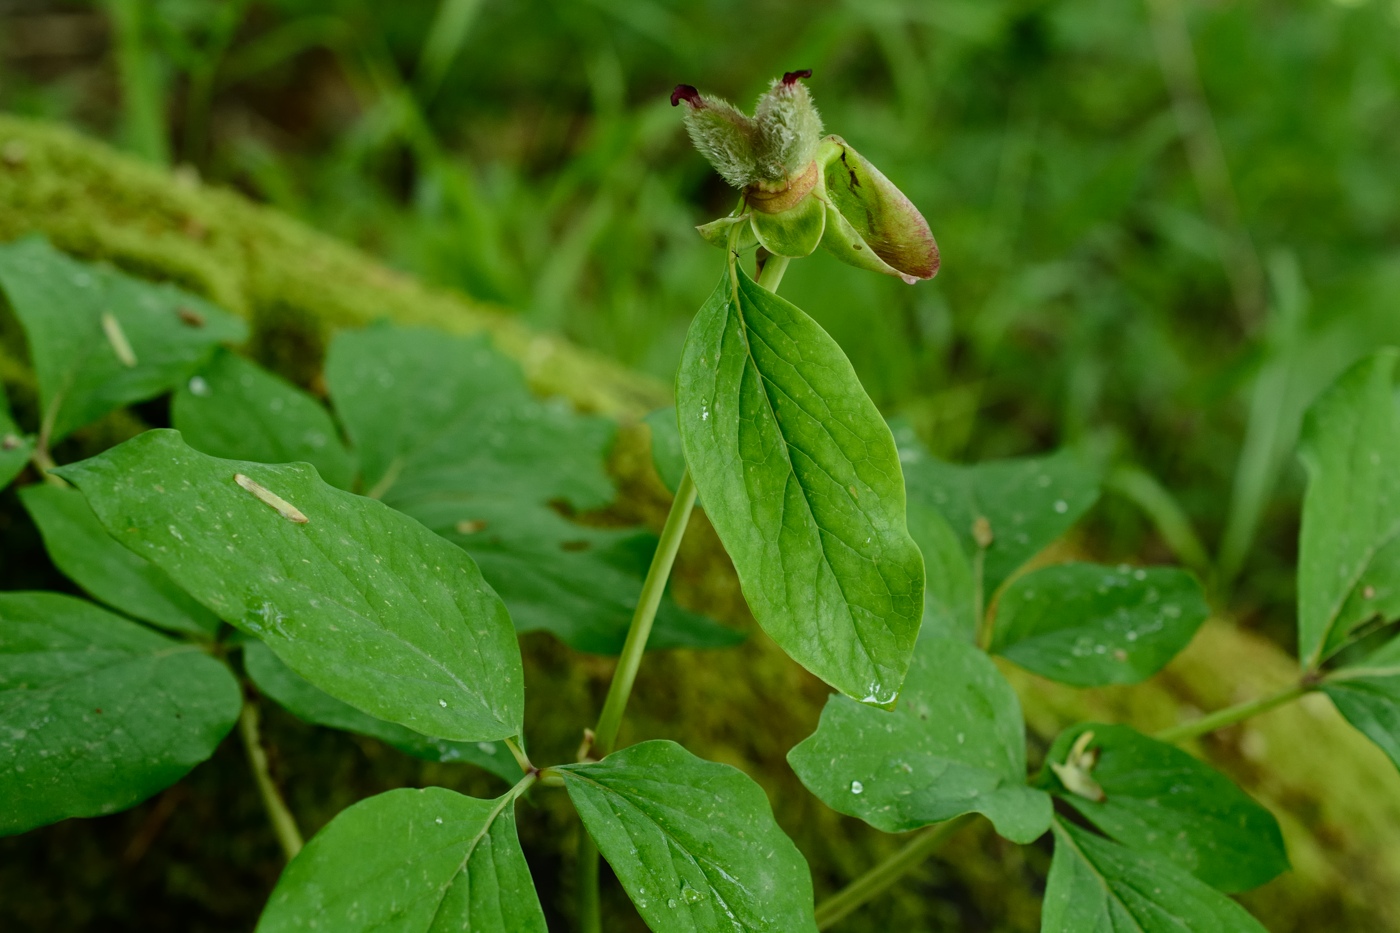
column 684, row 92
column 792, row 77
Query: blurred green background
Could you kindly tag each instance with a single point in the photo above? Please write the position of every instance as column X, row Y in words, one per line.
column 1165, row 224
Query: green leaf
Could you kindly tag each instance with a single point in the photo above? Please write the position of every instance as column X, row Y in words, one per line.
column 1089, row 625
column 99, row 339
column 801, row 480
column 1098, row 885
column 98, row 713
column 361, row 600
column 792, row 233
column 579, row 583
column 15, row 447
column 667, row 454
column 954, row 744
column 235, row 409
column 1350, row 448
column 1158, row 799
column 552, row 573
column 1368, row 695
column 1027, row 503
column 108, row 572
column 433, row 414
column 693, row 842
column 411, row 861
column 301, row 699
column 949, row 588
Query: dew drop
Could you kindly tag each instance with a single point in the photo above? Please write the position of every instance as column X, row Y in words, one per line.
column 671, row 903
column 857, row 787
column 1061, row 506
column 198, row 386
column 442, row 703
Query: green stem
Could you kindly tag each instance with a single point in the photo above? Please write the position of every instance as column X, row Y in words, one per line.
column 1233, row 714
column 590, row 914
column 874, row 882
column 772, row 274
column 520, row 757
column 626, row 673
column 283, row 823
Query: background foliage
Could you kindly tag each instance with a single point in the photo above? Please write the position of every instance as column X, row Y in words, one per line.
column 1156, row 250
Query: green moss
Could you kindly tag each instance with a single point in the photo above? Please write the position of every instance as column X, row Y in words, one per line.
column 1338, row 798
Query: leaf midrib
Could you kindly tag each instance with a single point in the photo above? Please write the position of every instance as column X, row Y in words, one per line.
column 787, row 458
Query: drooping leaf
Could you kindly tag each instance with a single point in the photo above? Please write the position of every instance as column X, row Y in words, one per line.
column 81, row 548
column 98, row 713
column 411, row 861
column 1099, row 885
column 434, row 414
column 15, row 446
column 693, row 842
column 361, row 600
column 954, row 744
column 577, row 582
column 235, row 409
column 1089, row 625
column 1368, row 695
column 100, row 339
column 1027, row 503
column 801, row 479
column 1350, row 448
column 317, row 707
column 949, row 587
column 1159, row 799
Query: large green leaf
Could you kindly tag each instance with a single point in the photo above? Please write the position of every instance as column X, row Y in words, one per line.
column 90, row 557
column 1026, row 503
column 315, row 706
column 801, row 479
column 98, row 713
column 15, row 446
column 361, row 600
column 1368, row 695
column 235, row 409
column 955, row 744
column 577, row 582
column 1156, row 798
column 1089, row 625
column 100, row 339
column 1351, row 513
column 1101, row 886
column 435, row 414
column 410, row 861
column 693, row 842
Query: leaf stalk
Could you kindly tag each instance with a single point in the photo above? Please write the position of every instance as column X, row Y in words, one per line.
column 879, row 879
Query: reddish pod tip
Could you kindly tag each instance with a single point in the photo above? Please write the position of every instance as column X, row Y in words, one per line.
column 792, row 77
column 684, row 92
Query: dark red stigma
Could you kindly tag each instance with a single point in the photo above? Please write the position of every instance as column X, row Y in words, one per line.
column 791, row 77
column 684, row 92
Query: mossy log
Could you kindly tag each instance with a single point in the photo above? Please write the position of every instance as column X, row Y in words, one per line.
column 1337, row 797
